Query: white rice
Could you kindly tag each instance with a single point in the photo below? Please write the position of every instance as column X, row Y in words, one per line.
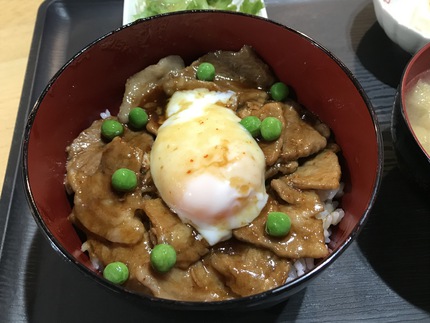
column 94, row 260
column 300, row 267
column 331, row 216
column 105, row 114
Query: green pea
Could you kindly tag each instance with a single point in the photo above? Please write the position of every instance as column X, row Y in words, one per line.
column 111, row 128
column 279, row 91
column 206, row 72
column 252, row 124
column 271, row 128
column 137, row 118
column 116, row 272
column 278, row 224
column 163, row 257
column 124, row 180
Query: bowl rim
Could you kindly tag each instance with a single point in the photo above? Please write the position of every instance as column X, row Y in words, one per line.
column 404, row 85
column 297, row 283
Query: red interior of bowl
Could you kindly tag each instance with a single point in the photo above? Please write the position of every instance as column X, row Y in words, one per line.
column 417, row 66
column 95, row 82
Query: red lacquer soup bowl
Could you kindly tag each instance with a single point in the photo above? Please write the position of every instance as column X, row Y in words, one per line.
column 94, row 79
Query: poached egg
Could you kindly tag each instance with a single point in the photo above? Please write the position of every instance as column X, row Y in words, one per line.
column 206, row 166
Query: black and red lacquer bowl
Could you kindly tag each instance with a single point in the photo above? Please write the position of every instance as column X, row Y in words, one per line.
column 94, row 79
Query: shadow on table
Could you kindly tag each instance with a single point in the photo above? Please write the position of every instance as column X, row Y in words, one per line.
column 396, row 239
column 57, row 292
column 376, row 52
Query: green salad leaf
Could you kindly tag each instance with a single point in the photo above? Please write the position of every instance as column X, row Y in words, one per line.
column 165, row 6
column 251, row 7
column 147, row 8
column 222, row 5
column 198, row 4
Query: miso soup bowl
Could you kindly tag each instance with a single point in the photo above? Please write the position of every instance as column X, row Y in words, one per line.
column 94, row 80
column 413, row 160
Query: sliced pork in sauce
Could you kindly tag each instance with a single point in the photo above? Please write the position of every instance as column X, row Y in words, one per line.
column 321, row 172
column 306, row 236
column 285, row 190
column 300, row 138
column 136, row 255
column 101, row 210
column 283, row 168
column 146, row 84
column 243, row 66
column 248, row 270
column 84, row 156
column 125, row 227
column 272, row 149
column 197, row 283
column 166, row 227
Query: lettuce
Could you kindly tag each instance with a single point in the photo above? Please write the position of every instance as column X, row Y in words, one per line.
column 165, row 6
column 251, row 7
column 198, row 4
column 147, row 8
column 222, row 5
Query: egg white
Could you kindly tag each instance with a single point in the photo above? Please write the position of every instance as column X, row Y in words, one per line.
column 206, row 166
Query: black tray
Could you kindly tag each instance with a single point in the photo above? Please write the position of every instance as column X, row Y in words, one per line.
column 383, row 276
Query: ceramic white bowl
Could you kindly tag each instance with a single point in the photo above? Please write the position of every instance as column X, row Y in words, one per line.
column 406, row 22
